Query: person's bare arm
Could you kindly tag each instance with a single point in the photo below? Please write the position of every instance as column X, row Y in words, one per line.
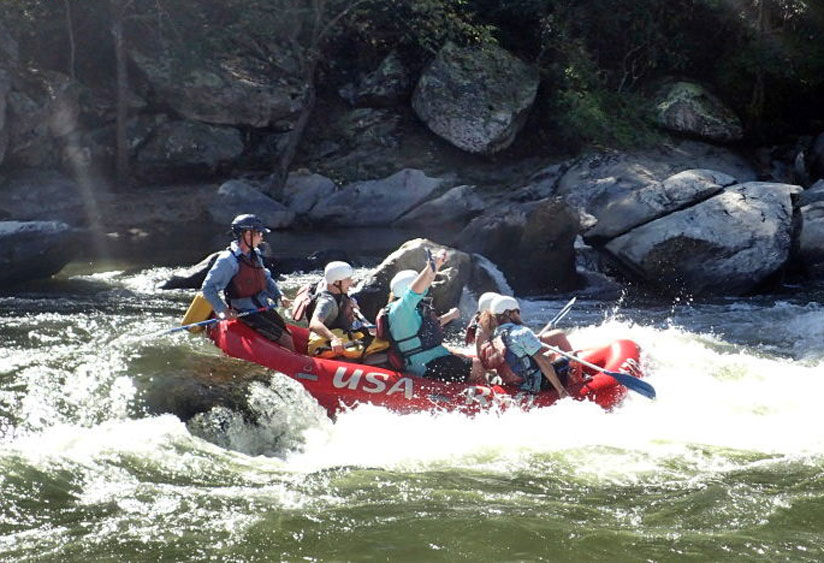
column 317, row 326
column 451, row 315
column 430, row 270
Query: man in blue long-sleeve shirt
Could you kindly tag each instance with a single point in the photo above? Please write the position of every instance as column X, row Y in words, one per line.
column 247, row 284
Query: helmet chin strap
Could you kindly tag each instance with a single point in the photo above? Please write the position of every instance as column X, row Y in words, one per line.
column 251, row 238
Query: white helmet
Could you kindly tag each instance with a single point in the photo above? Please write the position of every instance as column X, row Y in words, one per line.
column 401, row 281
column 337, row 271
column 485, row 300
column 503, row 303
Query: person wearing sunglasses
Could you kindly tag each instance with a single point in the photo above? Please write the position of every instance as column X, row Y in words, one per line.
column 246, row 283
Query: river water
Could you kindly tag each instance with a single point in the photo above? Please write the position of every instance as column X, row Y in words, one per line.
column 727, row 464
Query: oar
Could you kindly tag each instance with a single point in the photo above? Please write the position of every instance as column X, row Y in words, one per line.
column 628, row 381
column 206, row 322
column 561, row 314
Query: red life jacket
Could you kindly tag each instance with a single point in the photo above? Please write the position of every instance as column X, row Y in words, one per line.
column 382, row 331
column 303, row 305
column 492, row 355
column 306, row 300
column 250, row 278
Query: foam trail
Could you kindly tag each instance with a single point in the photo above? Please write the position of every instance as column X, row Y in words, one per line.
column 711, row 395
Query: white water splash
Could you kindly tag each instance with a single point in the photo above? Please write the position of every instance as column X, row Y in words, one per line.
column 712, row 397
column 502, row 286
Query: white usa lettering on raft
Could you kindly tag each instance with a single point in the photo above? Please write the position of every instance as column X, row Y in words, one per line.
column 372, row 382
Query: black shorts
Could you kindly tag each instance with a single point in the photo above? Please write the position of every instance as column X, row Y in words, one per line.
column 269, row 323
column 562, row 368
column 454, row 368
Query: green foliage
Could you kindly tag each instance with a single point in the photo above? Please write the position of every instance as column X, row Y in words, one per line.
column 764, row 57
column 774, row 76
column 581, row 110
column 417, row 24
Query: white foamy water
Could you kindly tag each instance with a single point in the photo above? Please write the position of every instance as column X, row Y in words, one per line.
column 89, row 464
column 710, row 394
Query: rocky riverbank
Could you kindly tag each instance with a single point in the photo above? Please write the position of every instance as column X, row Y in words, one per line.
column 444, row 147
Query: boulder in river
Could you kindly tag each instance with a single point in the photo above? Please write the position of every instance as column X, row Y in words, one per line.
column 728, row 244
column 192, row 277
column 461, row 271
column 811, row 239
column 533, row 243
column 446, row 290
column 31, row 250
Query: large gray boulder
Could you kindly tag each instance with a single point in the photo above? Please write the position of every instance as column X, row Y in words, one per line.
column 811, row 239
column 686, row 107
column 225, row 91
column 725, row 245
column 453, row 209
column 815, row 159
column 236, row 197
column 477, row 98
column 446, row 290
column 303, row 191
column 38, row 195
column 5, row 88
column 187, row 148
column 375, row 202
column 596, row 173
column 812, row 194
column 9, row 59
column 31, row 250
column 43, row 108
column 96, row 149
column 619, row 209
column 9, row 50
column 532, row 243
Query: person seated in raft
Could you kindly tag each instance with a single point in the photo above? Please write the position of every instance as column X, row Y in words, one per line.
column 337, row 328
column 247, row 284
column 550, row 336
column 502, row 330
column 416, row 330
column 483, row 305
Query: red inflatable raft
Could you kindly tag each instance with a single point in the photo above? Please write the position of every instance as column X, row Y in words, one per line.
column 337, row 384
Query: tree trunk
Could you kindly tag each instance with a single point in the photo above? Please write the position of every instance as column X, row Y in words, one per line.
column 309, row 65
column 122, row 158
column 756, row 105
column 284, row 162
column 72, row 45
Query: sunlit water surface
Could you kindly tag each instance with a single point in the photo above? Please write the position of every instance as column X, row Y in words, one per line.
column 727, row 463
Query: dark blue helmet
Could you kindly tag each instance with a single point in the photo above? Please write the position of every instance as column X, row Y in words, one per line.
column 248, row 222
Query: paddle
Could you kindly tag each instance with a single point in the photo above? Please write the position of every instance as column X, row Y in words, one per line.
column 206, row 322
column 628, row 381
column 561, row 314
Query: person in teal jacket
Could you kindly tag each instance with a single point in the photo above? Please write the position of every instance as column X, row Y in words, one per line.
column 416, row 330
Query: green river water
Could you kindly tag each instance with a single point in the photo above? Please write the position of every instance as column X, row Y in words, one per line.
column 726, row 465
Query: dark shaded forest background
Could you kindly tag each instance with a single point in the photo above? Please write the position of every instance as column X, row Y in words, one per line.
column 764, row 58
